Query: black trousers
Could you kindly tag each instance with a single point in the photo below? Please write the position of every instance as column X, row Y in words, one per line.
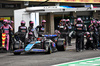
column 95, row 41
column 99, row 39
column 69, row 40
column 83, row 41
column 79, row 41
column 10, row 41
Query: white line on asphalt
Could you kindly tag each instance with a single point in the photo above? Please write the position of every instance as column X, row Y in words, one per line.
column 74, row 61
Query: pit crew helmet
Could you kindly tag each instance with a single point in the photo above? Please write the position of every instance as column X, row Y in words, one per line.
column 22, row 23
column 31, row 23
column 5, row 21
column 79, row 20
column 63, row 20
column 67, row 21
column 43, row 21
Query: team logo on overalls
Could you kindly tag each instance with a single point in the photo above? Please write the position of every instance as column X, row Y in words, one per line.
column 79, row 25
column 23, row 30
column 42, row 28
column 32, row 29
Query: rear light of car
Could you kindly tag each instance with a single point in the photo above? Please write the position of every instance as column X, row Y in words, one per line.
column 39, row 39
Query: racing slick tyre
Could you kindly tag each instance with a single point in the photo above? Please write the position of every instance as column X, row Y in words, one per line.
column 17, row 53
column 49, row 50
column 61, row 46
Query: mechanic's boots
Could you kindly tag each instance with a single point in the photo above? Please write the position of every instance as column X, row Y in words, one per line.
column 77, row 50
column 81, row 50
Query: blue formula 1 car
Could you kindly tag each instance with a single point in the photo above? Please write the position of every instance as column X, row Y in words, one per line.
column 42, row 44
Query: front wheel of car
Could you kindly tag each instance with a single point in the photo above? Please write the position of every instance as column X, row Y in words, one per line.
column 49, row 50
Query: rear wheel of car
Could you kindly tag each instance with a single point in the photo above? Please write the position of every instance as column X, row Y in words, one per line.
column 62, row 47
column 58, row 48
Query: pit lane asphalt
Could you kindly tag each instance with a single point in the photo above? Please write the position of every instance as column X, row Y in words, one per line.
column 42, row 59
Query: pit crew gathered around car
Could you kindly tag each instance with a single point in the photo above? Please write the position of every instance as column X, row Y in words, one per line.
column 79, row 28
column 63, row 28
column 22, row 31
column 6, row 28
column 70, row 28
column 94, row 32
column 41, row 28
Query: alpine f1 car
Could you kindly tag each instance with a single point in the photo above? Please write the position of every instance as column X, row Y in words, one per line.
column 42, row 44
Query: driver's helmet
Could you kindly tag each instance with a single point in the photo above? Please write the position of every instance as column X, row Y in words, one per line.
column 87, row 34
column 30, row 34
